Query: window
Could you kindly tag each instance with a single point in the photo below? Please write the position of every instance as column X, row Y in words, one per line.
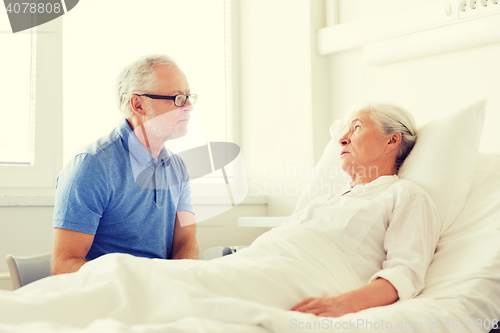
column 189, row 31
column 18, row 68
column 32, row 90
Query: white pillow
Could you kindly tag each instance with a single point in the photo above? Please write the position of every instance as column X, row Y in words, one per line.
column 467, row 262
column 442, row 162
column 327, row 176
column 444, row 158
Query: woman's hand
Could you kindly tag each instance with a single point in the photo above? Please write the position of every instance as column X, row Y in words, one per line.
column 324, row 306
column 377, row 293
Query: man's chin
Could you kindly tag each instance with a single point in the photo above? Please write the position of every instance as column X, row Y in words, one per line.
column 176, row 135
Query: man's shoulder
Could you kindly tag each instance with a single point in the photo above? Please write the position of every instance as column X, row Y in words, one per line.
column 104, row 145
column 102, row 153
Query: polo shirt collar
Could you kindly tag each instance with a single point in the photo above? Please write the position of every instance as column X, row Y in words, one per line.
column 137, row 151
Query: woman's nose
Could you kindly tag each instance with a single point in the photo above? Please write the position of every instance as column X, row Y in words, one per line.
column 344, row 140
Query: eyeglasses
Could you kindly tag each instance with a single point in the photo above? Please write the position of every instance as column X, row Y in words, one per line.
column 179, row 100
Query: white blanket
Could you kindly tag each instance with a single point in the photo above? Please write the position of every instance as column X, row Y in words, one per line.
column 250, row 291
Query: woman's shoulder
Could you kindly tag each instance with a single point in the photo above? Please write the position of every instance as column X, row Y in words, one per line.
column 407, row 188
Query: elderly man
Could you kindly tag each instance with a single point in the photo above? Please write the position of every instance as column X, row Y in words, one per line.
column 126, row 192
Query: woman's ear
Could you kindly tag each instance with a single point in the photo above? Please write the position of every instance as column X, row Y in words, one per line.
column 137, row 105
column 394, row 141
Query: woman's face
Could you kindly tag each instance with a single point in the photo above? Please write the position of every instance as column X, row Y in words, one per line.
column 363, row 146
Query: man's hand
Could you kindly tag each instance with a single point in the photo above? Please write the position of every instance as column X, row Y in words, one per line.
column 184, row 244
column 377, row 293
column 70, row 249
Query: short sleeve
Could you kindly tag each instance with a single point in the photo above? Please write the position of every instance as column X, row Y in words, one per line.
column 185, row 204
column 82, row 195
column 410, row 242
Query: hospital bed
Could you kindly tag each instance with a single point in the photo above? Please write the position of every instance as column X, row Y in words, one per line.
column 461, row 294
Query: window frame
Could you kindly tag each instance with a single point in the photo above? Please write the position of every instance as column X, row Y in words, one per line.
column 237, row 176
column 47, row 161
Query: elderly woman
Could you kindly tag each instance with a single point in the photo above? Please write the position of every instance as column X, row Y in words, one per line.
column 387, row 227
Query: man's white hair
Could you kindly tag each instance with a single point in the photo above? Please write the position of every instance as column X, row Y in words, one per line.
column 139, row 78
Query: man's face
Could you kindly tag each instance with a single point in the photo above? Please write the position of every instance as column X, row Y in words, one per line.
column 163, row 119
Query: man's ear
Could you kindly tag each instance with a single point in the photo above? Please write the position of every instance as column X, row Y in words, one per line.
column 394, row 141
column 137, row 105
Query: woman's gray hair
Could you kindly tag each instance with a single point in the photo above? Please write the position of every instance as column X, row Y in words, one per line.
column 138, row 78
column 392, row 118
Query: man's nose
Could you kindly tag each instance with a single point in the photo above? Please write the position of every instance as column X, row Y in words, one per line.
column 188, row 106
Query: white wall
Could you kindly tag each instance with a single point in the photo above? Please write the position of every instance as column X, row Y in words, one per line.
column 282, row 85
column 429, row 87
column 25, row 231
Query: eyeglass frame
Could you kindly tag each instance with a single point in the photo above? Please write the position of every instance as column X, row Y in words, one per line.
column 172, row 98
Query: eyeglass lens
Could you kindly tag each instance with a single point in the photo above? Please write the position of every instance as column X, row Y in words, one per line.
column 180, row 100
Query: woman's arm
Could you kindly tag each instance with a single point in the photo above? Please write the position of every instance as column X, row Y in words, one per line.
column 377, row 293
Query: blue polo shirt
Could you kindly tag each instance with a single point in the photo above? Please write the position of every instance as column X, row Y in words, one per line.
column 114, row 189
